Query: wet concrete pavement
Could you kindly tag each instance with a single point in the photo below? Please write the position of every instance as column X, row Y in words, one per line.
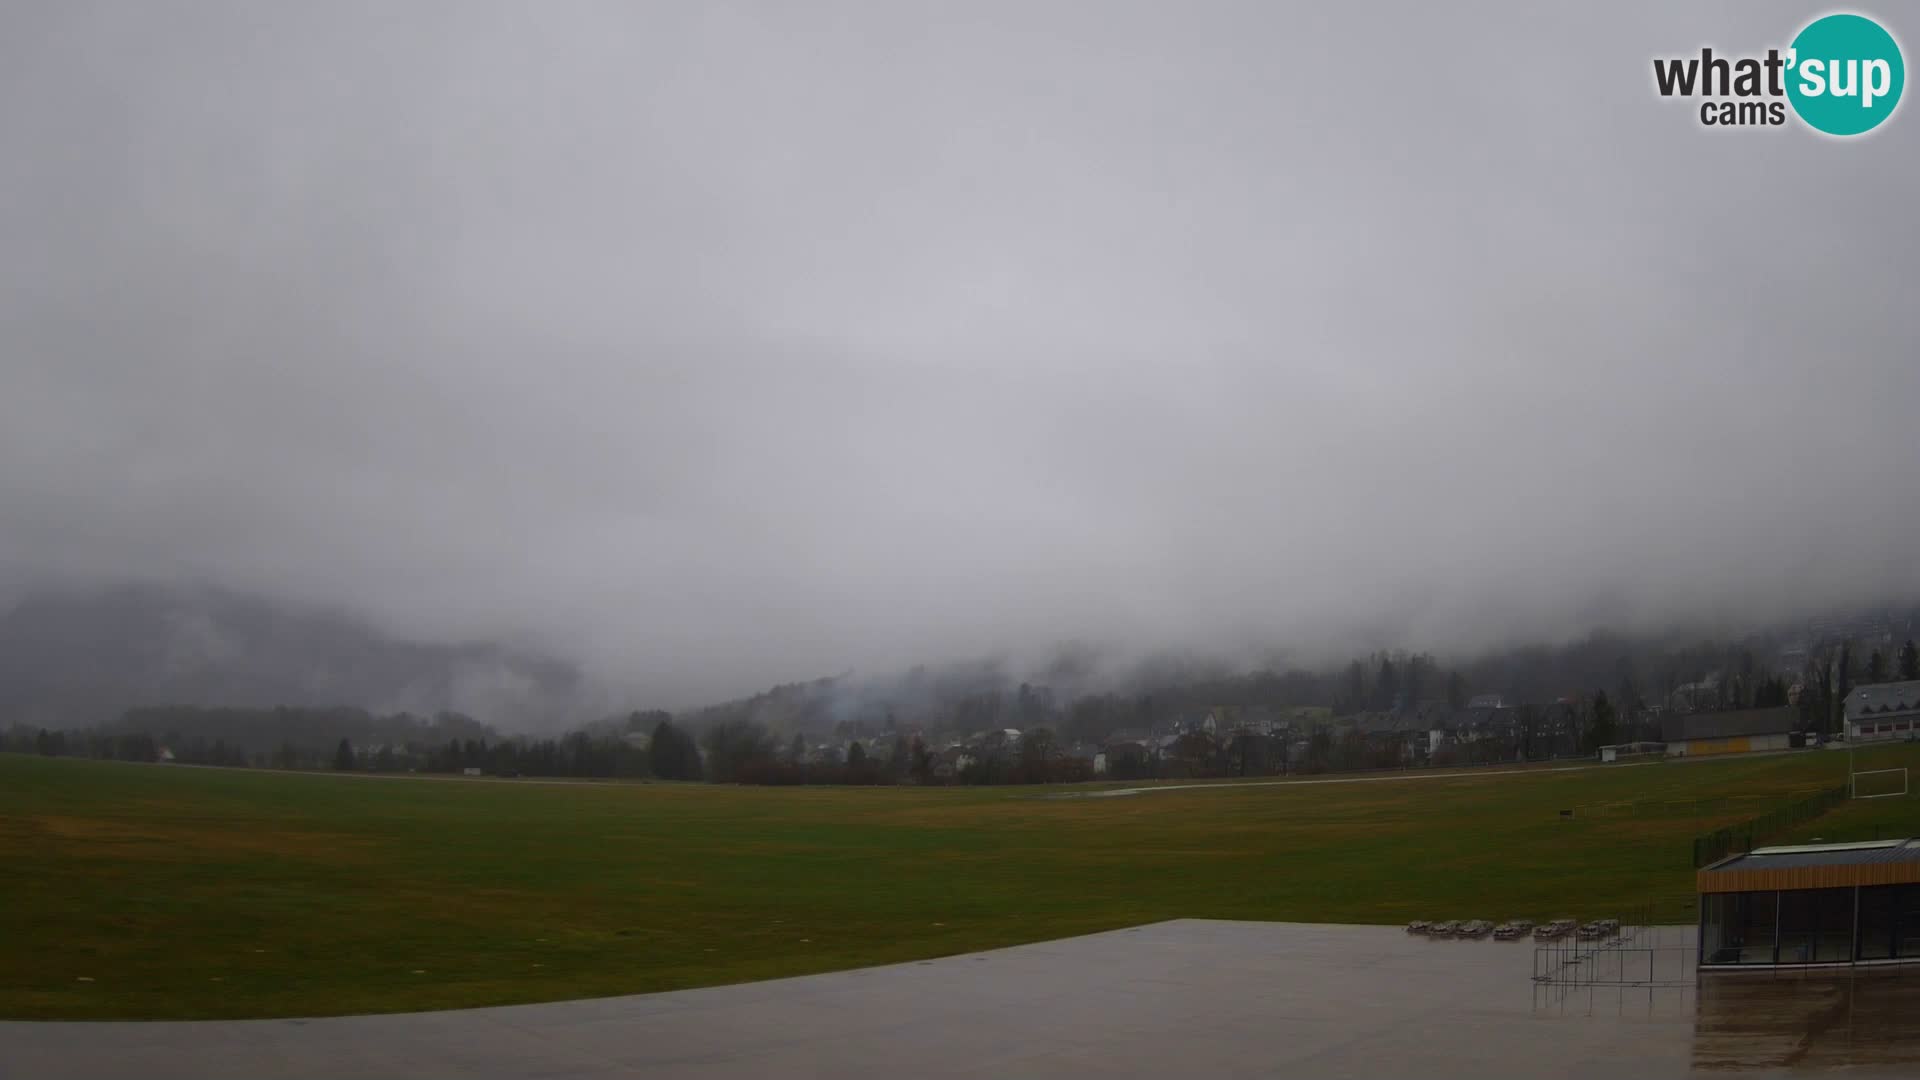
column 1173, row 999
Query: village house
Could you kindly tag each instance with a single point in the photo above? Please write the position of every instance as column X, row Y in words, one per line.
column 1883, row 711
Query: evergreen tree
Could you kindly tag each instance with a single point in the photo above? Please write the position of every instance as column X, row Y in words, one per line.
column 1387, row 687
column 343, row 757
column 674, row 755
column 1604, row 731
column 1414, row 683
column 1909, row 660
column 922, row 765
column 1843, row 683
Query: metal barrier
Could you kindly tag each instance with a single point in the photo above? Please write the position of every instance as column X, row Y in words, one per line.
column 1707, row 806
column 1620, row 965
column 1646, row 970
column 1641, row 954
column 1743, row 837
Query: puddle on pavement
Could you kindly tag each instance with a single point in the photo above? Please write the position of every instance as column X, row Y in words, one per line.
column 1807, row 1020
column 1862, row 1018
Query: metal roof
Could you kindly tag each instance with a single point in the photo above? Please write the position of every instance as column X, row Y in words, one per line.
column 1882, row 698
column 1731, row 724
column 1796, row 849
column 1783, row 858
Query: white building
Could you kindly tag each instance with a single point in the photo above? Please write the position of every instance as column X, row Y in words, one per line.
column 1883, row 711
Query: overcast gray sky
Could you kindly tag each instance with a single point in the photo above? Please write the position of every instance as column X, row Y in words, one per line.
column 721, row 344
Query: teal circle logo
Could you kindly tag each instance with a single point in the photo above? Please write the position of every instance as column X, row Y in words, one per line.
column 1845, row 74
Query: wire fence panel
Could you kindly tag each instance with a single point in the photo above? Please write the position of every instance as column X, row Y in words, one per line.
column 1746, row 835
column 1639, row 955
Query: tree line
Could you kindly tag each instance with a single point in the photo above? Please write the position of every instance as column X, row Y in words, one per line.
column 739, row 744
column 575, row 755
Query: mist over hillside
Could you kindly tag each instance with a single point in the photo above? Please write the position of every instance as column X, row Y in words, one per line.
column 77, row 657
column 73, row 657
column 1087, row 693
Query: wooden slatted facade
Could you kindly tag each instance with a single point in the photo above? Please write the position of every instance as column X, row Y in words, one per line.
column 1811, row 904
column 1843, row 876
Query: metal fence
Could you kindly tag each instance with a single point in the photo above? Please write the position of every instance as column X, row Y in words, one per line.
column 1647, row 969
column 1619, row 965
column 1576, row 959
column 1671, row 808
column 1743, row 837
column 1642, row 964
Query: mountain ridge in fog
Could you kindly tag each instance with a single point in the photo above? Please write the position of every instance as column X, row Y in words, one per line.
column 78, row 656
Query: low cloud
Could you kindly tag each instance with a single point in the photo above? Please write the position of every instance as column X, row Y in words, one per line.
column 720, row 345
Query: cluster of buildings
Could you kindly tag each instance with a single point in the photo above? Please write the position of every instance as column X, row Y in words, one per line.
column 948, row 758
column 1491, row 729
column 1263, row 739
column 1877, row 712
column 1260, row 739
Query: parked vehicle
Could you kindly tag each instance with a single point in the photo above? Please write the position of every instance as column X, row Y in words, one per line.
column 1419, row 926
column 1475, row 928
column 1554, row 930
column 1444, row 929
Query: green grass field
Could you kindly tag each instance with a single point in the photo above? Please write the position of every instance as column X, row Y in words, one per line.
column 155, row 891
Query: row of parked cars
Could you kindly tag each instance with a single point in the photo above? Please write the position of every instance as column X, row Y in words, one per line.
column 1472, row 928
column 1597, row 930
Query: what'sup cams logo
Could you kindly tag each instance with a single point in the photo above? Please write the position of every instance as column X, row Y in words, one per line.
column 1842, row 75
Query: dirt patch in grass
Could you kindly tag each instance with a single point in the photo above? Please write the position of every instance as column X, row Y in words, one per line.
column 134, row 839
